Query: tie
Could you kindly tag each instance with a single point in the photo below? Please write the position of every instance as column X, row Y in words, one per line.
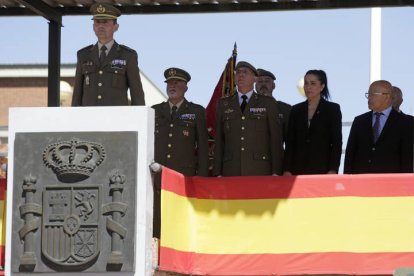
column 244, row 103
column 376, row 127
column 173, row 112
column 102, row 56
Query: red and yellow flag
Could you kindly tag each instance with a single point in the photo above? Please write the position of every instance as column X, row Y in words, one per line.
column 339, row 224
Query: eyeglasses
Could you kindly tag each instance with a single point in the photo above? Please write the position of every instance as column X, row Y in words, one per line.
column 375, row 94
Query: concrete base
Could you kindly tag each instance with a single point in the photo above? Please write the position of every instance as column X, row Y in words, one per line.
column 93, row 119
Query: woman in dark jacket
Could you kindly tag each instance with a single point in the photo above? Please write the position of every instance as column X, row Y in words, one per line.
column 314, row 141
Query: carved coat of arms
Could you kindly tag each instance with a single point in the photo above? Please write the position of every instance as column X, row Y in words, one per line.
column 70, row 228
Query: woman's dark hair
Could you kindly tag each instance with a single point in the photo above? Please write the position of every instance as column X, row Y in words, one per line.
column 321, row 75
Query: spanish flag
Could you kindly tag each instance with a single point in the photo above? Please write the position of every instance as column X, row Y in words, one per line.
column 266, row 225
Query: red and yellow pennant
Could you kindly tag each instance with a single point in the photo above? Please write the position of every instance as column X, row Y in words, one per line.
column 339, row 224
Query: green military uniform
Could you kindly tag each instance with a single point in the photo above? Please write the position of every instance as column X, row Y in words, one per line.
column 248, row 143
column 107, row 84
column 181, row 141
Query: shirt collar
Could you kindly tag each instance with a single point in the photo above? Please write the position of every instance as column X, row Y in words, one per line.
column 386, row 111
column 107, row 45
column 248, row 94
column 177, row 105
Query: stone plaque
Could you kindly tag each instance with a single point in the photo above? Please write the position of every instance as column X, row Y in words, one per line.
column 74, row 202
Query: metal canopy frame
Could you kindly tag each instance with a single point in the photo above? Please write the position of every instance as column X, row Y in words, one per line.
column 53, row 10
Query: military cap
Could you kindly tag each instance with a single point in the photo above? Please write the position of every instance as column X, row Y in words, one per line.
column 104, row 11
column 246, row 65
column 265, row 73
column 177, row 74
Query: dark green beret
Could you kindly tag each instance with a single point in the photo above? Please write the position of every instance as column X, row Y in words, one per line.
column 245, row 64
column 176, row 74
column 265, row 73
column 104, row 11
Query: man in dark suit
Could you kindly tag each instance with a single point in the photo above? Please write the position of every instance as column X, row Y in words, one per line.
column 248, row 133
column 180, row 135
column 265, row 85
column 106, row 70
column 380, row 141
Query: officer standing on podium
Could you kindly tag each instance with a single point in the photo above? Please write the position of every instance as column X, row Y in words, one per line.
column 105, row 71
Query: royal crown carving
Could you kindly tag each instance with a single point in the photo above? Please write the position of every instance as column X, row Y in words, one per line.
column 73, row 160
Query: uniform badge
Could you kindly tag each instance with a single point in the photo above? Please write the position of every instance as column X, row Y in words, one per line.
column 87, row 63
column 228, row 110
column 172, row 72
column 86, row 80
column 100, row 9
column 281, row 115
column 118, row 63
column 257, row 110
column 187, row 116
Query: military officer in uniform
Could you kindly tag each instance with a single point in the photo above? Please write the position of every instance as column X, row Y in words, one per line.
column 106, row 70
column 180, row 135
column 248, row 133
column 265, row 85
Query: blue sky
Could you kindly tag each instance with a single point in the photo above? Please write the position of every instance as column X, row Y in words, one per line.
column 287, row 43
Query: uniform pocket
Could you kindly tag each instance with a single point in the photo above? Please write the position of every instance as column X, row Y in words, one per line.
column 260, row 121
column 118, row 77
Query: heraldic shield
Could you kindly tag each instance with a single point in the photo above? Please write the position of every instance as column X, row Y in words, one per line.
column 70, row 228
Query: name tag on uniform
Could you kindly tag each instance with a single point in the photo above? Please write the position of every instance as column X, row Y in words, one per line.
column 118, row 63
column 257, row 110
column 188, row 116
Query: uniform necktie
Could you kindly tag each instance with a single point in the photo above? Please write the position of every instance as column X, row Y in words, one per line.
column 102, row 56
column 173, row 112
column 244, row 103
column 376, row 127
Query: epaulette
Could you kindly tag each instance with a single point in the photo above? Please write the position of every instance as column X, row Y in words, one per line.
column 87, row 47
column 126, row 48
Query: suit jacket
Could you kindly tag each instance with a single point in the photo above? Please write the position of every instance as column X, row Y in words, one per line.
column 107, row 84
column 393, row 151
column 181, row 143
column 248, row 143
column 315, row 149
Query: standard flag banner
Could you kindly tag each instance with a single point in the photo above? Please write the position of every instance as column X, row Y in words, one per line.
column 326, row 224
column 225, row 87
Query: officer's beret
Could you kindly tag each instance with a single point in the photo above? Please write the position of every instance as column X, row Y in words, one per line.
column 176, row 73
column 265, row 73
column 104, row 11
column 245, row 64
